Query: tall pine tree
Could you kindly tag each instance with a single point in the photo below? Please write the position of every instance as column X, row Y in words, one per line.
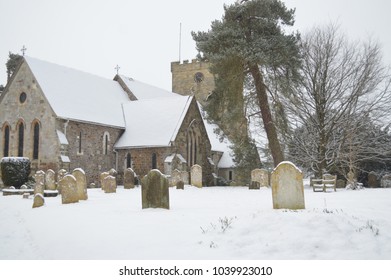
column 250, row 41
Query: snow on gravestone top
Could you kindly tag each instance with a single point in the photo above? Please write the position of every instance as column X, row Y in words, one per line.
column 287, row 187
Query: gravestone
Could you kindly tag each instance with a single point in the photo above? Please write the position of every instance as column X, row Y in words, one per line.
column 61, row 174
column 39, row 201
column 26, row 196
column 81, row 183
column 39, row 186
column 113, row 172
column 92, row 186
column 255, row 185
column 109, row 184
column 129, row 178
column 196, row 176
column 102, row 176
column 155, row 190
column 176, row 176
column 386, row 181
column 287, row 187
column 261, row 176
column 185, row 177
column 180, row 185
column 68, row 189
column 373, row 181
column 50, row 180
column 341, row 184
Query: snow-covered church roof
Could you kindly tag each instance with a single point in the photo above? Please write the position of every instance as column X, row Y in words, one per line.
column 153, row 122
column 143, row 91
column 77, row 95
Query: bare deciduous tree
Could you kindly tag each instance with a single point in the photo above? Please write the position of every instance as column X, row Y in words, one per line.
column 340, row 81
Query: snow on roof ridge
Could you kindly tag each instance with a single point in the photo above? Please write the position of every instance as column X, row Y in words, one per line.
column 77, row 95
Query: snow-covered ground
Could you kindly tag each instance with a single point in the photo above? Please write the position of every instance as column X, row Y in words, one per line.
column 209, row 223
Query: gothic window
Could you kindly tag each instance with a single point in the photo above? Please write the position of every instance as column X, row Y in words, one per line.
column 80, row 141
column 6, row 140
column 106, row 142
column 154, row 161
column 36, row 141
column 20, row 139
column 128, row 160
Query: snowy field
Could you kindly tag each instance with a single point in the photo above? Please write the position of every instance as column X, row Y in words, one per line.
column 206, row 224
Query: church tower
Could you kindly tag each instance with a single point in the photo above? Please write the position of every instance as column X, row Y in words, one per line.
column 192, row 78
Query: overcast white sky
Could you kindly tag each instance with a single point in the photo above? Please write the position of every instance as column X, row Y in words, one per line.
column 142, row 36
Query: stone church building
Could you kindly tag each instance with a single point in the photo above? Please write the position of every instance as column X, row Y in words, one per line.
column 63, row 118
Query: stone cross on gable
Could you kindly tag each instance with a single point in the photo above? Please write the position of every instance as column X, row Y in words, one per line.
column 117, row 68
column 23, row 50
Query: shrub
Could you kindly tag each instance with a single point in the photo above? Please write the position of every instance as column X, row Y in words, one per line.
column 15, row 171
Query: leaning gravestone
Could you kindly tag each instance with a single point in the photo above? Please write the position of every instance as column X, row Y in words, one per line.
column 39, row 186
column 129, row 178
column 50, row 180
column 261, row 176
column 373, row 182
column 155, row 190
column 196, row 176
column 81, row 183
column 38, row 200
column 68, row 189
column 287, row 187
column 386, row 181
column 109, row 184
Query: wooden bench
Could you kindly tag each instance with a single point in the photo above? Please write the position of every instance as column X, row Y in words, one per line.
column 321, row 185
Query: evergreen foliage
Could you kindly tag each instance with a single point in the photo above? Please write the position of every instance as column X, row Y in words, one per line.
column 248, row 43
column 15, row 171
column 12, row 63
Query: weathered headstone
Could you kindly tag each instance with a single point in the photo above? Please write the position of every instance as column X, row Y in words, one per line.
column 39, row 186
column 180, row 185
column 176, row 176
column 81, row 183
column 185, row 177
column 386, row 181
column 109, row 184
column 50, row 180
column 113, row 172
column 341, row 184
column 129, row 178
column 373, row 181
column 92, row 186
column 287, row 187
column 255, row 185
column 68, row 189
column 38, row 200
column 155, row 190
column 102, row 176
column 196, row 176
column 261, row 176
column 61, row 174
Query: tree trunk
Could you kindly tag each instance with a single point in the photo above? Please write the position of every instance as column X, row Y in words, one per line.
column 271, row 131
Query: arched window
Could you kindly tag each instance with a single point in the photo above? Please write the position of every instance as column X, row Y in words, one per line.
column 20, row 139
column 6, row 141
column 154, row 161
column 128, row 160
column 80, row 141
column 36, row 141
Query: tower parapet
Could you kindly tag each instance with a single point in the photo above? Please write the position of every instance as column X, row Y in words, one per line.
column 192, row 78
